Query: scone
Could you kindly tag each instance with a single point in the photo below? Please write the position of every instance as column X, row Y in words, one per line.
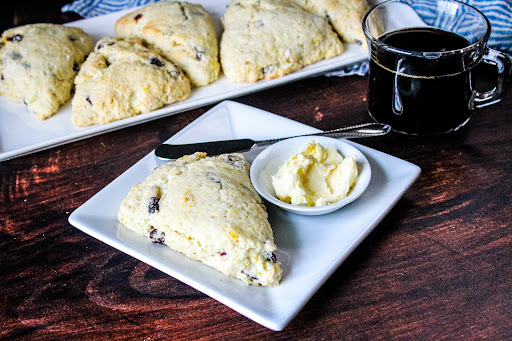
column 345, row 16
column 38, row 64
column 123, row 78
column 271, row 38
column 180, row 31
column 207, row 208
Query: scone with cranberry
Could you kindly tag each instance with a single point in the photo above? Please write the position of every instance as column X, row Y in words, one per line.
column 38, row 64
column 123, row 78
column 180, row 31
column 207, row 208
column 265, row 39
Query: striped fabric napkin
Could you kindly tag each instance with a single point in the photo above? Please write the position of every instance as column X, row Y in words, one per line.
column 499, row 13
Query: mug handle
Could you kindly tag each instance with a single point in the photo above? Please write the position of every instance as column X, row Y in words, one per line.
column 504, row 64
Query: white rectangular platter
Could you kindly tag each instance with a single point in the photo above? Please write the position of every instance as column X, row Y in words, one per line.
column 21, row 133
column 310, row 248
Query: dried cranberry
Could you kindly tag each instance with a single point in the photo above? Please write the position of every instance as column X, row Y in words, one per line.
column 184, row 12
column 234, row 160
column 174, row 74
column 270, row 256
column 199, row 54
column 154, row 205
column 16, row 37
column 213, row 177
column 156, row 61
column 137, row 17
column 157, row 237
column 268, row 69
column 223, row 253
column 249, row 275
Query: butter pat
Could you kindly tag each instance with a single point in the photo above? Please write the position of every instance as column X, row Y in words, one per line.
column 317, row 176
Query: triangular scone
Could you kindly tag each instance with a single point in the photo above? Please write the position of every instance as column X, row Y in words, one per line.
column 207, row 208
column 345, row 16
column 271, row 38
column 38, row 64
column 180, row 31
column 123, row 78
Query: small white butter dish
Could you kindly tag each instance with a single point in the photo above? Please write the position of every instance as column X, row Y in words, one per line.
column 268, row 162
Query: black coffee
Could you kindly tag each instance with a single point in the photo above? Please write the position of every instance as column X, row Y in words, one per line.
column 420, row 95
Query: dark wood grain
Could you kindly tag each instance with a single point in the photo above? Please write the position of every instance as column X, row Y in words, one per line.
column 437, row 267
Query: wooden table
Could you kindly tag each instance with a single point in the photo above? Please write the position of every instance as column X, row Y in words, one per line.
column 437, row 267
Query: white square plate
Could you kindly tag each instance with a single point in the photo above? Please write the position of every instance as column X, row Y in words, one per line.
column 21, row 133
column 330, row 238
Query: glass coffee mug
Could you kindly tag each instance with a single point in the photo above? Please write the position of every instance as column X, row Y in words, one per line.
column 422, row 54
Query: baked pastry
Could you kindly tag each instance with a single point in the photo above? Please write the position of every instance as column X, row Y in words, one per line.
column 180, row 31
column 123, row 78
column 271, row 38
column 207, row 208
column 345, row 16
column 38, row 63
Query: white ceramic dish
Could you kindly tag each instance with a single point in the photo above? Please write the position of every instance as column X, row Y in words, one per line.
column 21, row 133
column 268, row 162
column 310, row 248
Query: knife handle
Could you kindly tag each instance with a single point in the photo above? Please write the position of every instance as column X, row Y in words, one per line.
column 360, row 130
column 175, row 151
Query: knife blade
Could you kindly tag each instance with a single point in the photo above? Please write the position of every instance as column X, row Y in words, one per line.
column 175, row 151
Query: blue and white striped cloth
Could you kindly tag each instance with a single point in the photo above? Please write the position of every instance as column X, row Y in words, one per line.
column 94, row 8
column 499, row 13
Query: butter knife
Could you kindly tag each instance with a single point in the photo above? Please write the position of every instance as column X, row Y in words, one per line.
column 175, row 151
